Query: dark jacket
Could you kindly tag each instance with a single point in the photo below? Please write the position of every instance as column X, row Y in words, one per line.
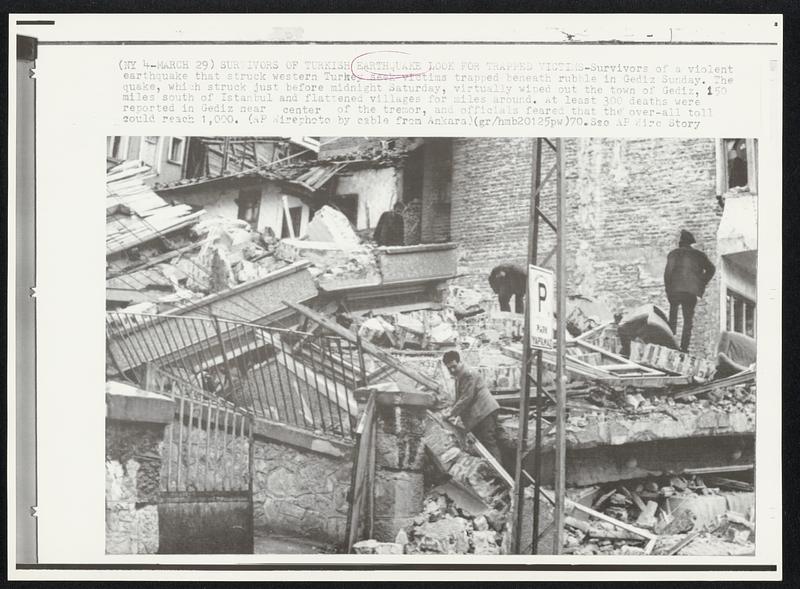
column 508, row 279
column 390, row 229
column 473, row 399
column 688, row 271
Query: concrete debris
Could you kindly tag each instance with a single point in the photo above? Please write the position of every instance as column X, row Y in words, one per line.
column 443, row 334
column 585, row 313
column 444, row 528
column 465, row 302
column 377, row 330
column 733, row 535
column 375, row 547
column 330, row 225
column 671, row 509
column 402, row 538
column 649, row 324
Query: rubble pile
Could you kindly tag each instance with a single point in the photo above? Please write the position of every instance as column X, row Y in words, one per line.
column 444, row 528
column 225, row 253
column 640, row 404
column 733, row 535
column 672, row 508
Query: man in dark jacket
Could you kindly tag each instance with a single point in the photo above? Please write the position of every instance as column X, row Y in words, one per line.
column 686, row 275
column 509, row 280
column 474, row 404
column 391, row 228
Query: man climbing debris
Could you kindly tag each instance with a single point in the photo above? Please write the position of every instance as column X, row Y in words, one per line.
column 509, row 280
column 474, row 404
column 686, row 275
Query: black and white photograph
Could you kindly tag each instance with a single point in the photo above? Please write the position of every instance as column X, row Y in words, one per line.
column 431, row 346
column 397, row 296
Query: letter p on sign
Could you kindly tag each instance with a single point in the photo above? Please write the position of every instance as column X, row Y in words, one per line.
column 540, row 285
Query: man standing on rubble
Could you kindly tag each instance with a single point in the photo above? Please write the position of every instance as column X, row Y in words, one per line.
column 474, row 404
column 686, row 275
column 509, row 280
column 391, row 227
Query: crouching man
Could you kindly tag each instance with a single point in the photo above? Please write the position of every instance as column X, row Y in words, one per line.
column 474, row 404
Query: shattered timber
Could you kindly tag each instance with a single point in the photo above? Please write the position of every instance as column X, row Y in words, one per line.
column 278, row 310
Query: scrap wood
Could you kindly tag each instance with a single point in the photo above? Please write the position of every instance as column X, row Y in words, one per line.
column 586, row 335
column 368, row 347
column 638, row 501
column 620, row 361
column 603, row 498
column 740, row 378
column 485, row 454
column 604, row 378
column 620, row 524
column 602, row 516
column 729, row 483
column 602, row 534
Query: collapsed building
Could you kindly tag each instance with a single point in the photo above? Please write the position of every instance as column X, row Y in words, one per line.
column 326, row 340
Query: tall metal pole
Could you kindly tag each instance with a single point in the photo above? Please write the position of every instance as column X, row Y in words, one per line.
column 522, row 437
column 561, row 397
column 537, row 456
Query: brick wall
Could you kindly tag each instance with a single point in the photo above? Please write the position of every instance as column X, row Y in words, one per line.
column 627, row 200
column 436, row 190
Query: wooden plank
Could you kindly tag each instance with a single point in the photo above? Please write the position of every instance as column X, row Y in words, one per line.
column 368, row 347
column 719, row 469
column 589, row 334
column 611, row 520
column 619, row 359
column 740, row 378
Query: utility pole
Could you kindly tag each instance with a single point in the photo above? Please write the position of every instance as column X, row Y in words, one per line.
column 524, row 404
column 561, row 393
column 521, row 475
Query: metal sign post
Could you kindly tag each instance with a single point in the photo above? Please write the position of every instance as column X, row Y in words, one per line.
column 561, row 393
column 538, row 327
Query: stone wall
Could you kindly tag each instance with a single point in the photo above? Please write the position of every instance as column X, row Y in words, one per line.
column 627, row 200
column 399, row 453
column 133, row 467
column 300, row 492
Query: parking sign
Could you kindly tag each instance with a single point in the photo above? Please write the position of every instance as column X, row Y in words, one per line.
column 542, row 294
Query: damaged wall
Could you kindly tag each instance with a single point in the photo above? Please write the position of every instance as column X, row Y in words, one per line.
column 133, row 467
column 300, row 492
column 219, row 198
column 436, row 190
column 627, row 200
column 376, row 189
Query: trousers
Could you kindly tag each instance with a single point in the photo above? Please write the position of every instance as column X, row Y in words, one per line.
column 504, row 298
column 486, row 432
column 687, row 302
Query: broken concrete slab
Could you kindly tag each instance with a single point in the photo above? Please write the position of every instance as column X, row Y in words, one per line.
column 485, row 542
column 467, row 501
column 445, row 536
column 331, row 225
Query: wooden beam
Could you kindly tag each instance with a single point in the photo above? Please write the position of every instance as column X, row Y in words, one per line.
column 368, row 347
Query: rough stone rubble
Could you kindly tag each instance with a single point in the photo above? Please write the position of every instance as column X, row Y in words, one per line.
column 689, row 514
column 230, row 253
